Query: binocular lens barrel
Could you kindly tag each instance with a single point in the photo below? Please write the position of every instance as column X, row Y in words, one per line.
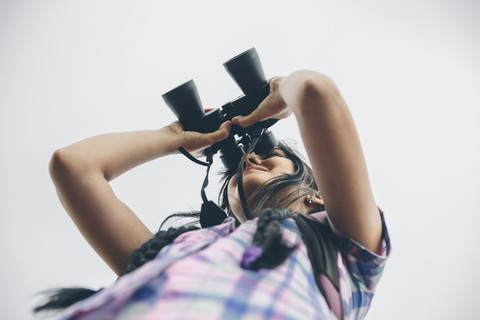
column 185, row 103
column 246, row 70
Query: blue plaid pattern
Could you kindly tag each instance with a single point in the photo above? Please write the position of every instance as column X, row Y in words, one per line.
column 199, row 276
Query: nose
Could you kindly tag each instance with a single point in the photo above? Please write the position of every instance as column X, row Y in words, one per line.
column 251, row 158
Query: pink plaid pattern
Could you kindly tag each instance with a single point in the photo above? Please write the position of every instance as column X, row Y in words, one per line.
column 199, row 276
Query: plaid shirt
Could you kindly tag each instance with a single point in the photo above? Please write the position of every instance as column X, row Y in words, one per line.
column 199, row 276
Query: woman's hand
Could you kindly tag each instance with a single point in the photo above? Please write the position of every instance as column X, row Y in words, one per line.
column 196, row 142
column 273, row 107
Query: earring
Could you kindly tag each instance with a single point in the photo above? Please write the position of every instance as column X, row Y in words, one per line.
column 310, row 200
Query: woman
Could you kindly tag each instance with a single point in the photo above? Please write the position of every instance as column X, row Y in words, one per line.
column 260, row 268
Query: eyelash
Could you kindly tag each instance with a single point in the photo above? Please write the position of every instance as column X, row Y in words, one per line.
column 271, row 154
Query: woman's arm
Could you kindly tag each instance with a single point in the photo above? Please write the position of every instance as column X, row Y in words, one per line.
column 333, row 147
column 81, row 173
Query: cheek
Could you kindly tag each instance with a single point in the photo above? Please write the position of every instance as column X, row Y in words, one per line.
column 288, row 165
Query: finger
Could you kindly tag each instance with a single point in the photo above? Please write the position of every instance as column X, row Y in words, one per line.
column 243, row 121
column 219, row 135
column 257, row 115
column 275, row 80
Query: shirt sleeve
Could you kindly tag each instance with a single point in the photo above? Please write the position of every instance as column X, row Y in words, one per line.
column 365, row 267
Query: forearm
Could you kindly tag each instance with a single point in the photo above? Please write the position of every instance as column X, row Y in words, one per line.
column 327, row 127
column 113, row 154
column 330, row 137
column 81, row 172
column 334, row 150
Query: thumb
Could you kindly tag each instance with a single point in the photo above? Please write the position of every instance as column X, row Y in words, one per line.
column 219, row 135
column 254, row 117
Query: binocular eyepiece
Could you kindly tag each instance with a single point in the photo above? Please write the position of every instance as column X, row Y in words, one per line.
column 247, row 72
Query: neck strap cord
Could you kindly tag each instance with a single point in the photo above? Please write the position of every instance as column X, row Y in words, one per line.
column 207, row 164
column 210, row 211
column 256, row 137
column 210, row 214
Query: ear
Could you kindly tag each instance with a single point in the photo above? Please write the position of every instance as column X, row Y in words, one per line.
column 313, row 201
column 319, row 200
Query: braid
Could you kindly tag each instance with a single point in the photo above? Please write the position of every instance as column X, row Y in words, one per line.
column 62, row 298
column 267, row 249
column 152, row 247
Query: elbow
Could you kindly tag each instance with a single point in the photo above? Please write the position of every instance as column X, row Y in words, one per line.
column 62, row 164
column 316, row 92
column 310, row 86
column 317, row 85
column 58, row 164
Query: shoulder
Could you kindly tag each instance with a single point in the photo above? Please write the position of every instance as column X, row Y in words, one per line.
column 364, row 266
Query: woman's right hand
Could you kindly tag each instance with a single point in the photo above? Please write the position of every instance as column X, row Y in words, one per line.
column 196, row 142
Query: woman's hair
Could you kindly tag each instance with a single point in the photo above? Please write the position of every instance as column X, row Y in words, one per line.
column 267, row 247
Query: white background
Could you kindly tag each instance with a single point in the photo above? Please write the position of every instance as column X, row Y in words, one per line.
column 409, row 70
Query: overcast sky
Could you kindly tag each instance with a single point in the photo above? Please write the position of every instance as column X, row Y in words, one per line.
column 409, row 71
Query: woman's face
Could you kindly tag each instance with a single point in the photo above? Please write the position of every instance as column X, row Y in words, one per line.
column 257, row 170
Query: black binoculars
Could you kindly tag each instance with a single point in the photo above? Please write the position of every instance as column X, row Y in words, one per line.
column 247, row 72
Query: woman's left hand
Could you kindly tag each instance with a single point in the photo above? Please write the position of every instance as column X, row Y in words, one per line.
column 273, row 107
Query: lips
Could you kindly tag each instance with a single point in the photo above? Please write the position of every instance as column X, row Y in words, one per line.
column 254, row 167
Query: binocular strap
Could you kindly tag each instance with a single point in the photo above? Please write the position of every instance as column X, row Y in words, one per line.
column 210, row 214
column 256, row 137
